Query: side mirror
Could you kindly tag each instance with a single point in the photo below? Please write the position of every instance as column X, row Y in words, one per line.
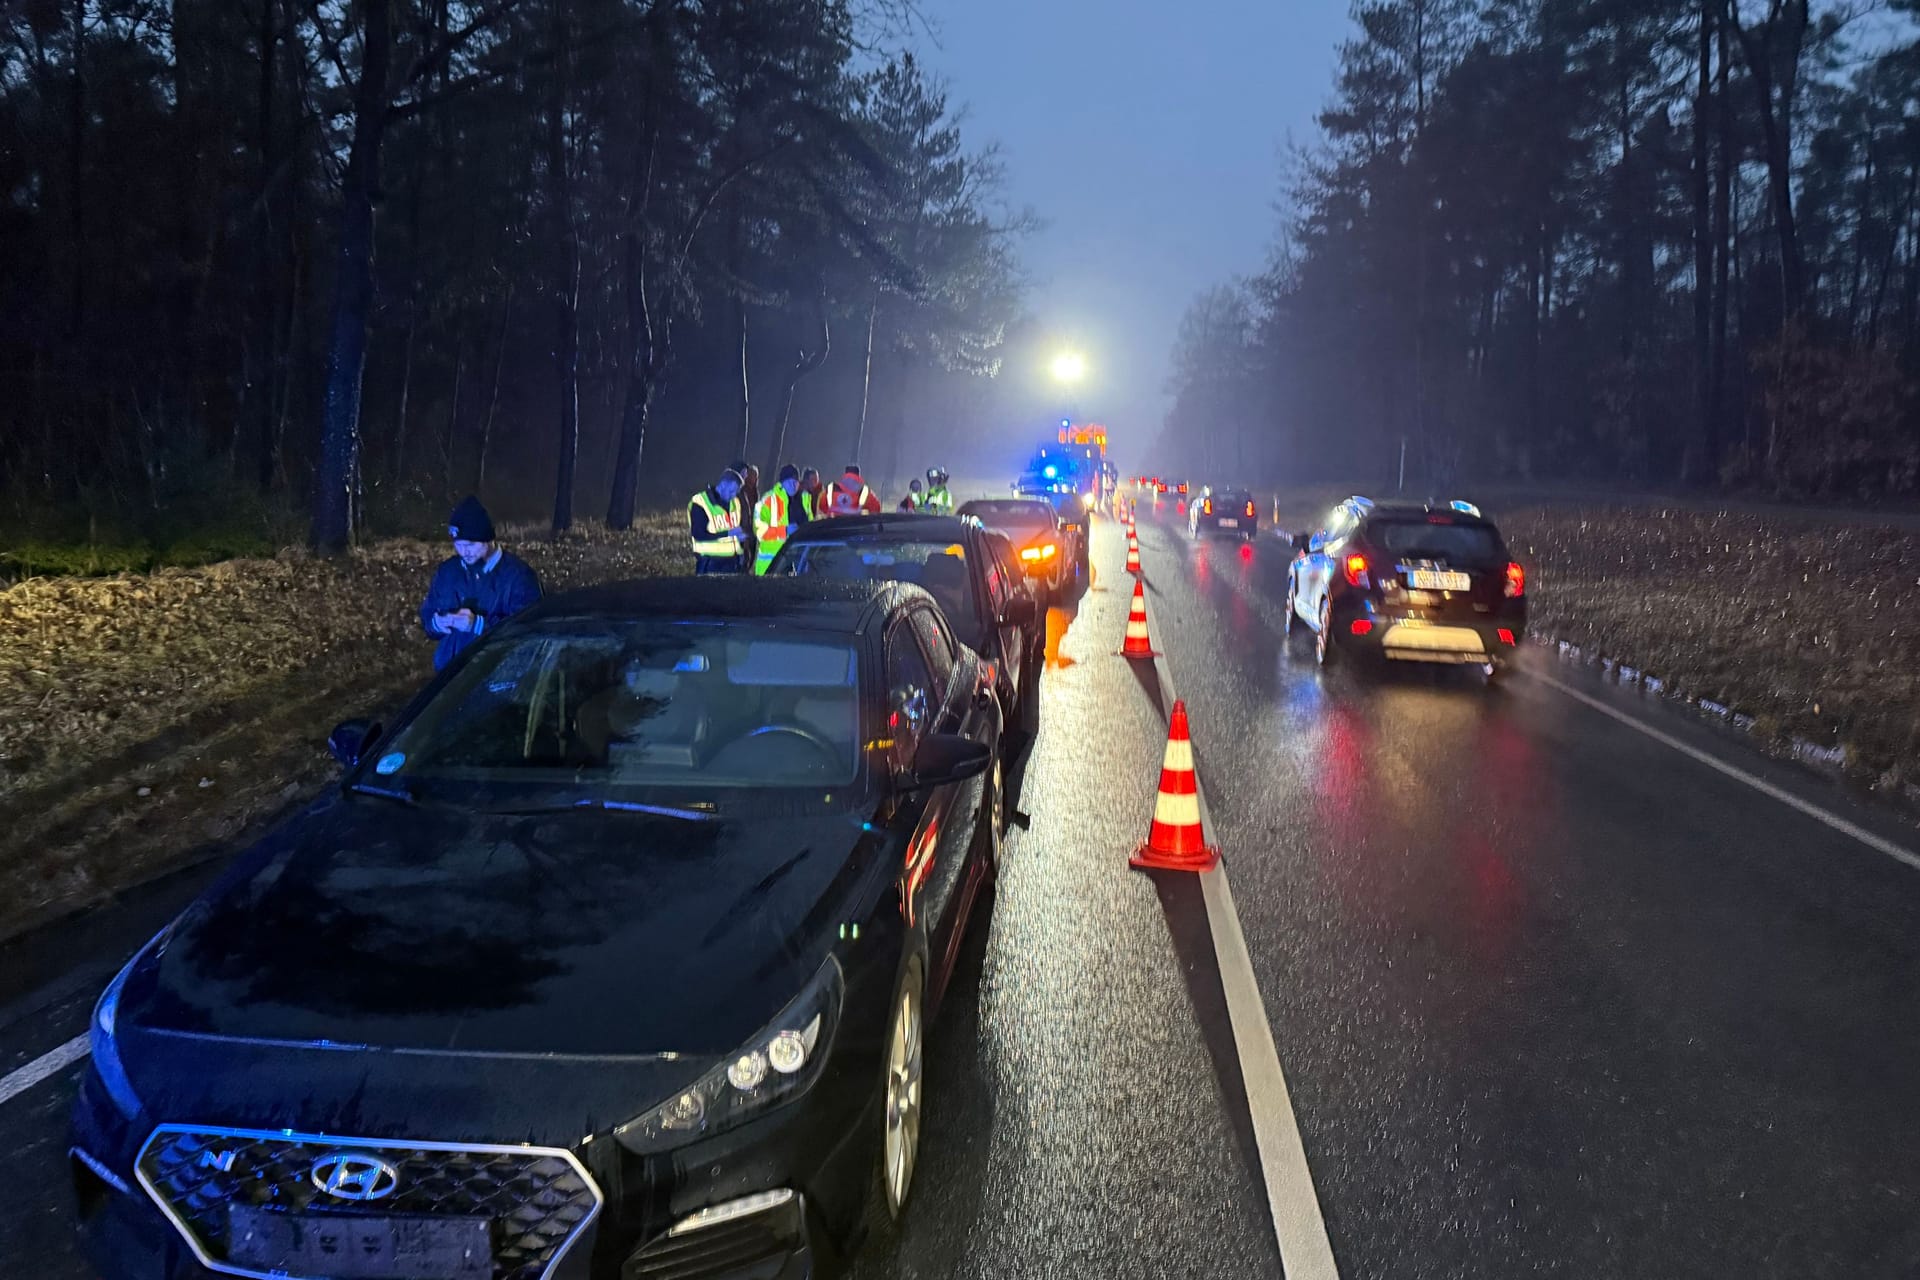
column 946, row 758
column 350, row 740
column 1020, row 612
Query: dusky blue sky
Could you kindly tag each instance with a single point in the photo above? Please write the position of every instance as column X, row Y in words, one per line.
column 1150, row 137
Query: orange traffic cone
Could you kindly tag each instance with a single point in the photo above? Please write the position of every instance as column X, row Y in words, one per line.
column 1133, row 554
column 1138, row 644
column 1175, row 842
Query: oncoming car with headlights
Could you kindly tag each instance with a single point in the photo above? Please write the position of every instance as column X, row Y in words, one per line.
column 611, row 959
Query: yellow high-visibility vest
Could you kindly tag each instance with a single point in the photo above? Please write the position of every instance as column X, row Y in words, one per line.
column 720, row 522
column 770, row 519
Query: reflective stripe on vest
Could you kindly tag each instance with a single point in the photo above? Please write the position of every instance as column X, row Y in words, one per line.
column 843, row 502
column 719, row 522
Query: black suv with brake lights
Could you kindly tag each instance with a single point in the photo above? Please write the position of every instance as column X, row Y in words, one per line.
column 1229, row 511
column 1412, row 583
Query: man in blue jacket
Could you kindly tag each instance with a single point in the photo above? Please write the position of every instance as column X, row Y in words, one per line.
column 480, row 587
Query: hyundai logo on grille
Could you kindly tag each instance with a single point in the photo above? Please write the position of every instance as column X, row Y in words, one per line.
column 354, row 1177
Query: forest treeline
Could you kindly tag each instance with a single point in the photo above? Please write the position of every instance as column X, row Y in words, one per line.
column 1623, row 241
column 351, row 257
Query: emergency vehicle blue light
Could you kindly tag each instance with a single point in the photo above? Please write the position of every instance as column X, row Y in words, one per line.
column 1050, row 472
column 698, row 662
column 1466, row 507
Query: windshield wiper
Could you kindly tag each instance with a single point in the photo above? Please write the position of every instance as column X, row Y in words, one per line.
column 385, row 793
column 706, row 813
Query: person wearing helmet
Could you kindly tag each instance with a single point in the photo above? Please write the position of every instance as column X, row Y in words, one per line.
column 913, row 501
column 939, row 499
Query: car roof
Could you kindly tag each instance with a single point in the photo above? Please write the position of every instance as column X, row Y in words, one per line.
column 814, row 602
column 1420, row 510
column 896, row 526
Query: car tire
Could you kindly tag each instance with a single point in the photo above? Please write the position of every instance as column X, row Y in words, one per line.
column 902, row 1104
column 1291, row 622
column 1026, row 720
column 1323, row 642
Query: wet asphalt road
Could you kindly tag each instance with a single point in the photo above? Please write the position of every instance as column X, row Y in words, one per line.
column 1551, row 998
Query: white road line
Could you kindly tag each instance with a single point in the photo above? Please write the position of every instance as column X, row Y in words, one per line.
column 1877, row 843
column 1298, row 1226
column 48, row 1064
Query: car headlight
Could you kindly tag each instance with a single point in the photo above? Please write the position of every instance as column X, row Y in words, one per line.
column 1086, row 500
column 778, row 1064
column 102, row 1031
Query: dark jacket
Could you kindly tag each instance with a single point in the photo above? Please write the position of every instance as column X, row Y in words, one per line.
column 499, row 587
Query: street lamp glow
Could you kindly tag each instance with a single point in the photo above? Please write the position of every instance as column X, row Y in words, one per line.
column 1069, row 366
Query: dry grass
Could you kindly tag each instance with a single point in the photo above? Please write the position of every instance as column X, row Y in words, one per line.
column 1812, row 629
column 144, row 717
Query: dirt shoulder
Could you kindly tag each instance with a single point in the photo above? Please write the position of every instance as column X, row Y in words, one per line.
column 147, row 720
column 1812, row 628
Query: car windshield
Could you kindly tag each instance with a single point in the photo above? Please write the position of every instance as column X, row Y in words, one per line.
column 1023, row 520
column 1438, row 538
column 938, row 567
column 617, row 709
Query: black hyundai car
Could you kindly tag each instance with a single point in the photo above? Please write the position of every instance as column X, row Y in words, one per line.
column 984, row 597
column 611, row 958
column 1426, row 583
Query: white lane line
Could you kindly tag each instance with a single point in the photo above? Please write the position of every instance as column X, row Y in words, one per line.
column 1298, row 1225
column 48, row 1064
column 1878, row 843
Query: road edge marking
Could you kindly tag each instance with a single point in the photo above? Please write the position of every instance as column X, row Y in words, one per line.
column 1299, row 1227
column 1878, row 843
column 47, row 1065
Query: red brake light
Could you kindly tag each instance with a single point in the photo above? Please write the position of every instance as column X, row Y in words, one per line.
column 1357, row 570
column 1249, row 508
column 1516, row 579
column 1362, row 625
column 1506, row 636
column 1209, row 507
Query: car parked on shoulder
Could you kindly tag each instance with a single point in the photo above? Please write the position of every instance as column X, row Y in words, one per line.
column 985, row 599
column 1045, row 546
column 611, row 959
column 1409, row 583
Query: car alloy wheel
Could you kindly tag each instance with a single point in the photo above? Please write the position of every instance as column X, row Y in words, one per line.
column 904, row 1071
column 996, row 814
column 1323, row 643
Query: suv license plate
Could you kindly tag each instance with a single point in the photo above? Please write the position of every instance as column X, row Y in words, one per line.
column 1439, row 580
column 348, row 1246
column 1228, row 522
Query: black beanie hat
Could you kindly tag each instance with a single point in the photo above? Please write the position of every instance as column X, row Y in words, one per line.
column 470, row 521
column 788, row 472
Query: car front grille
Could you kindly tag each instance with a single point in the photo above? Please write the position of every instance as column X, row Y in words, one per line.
column 537, row 1199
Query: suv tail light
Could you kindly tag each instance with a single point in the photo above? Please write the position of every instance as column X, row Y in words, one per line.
column 1356, row 567
column 1516, row 579
column 1208, row 508
column 1249, row 508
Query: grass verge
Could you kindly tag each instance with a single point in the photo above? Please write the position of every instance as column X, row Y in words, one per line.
column 147, row 719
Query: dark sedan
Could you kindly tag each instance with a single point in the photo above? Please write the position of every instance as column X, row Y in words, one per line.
column 984, row 597
column 612, row 959
column 1044, row 544
column 1228, row 511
